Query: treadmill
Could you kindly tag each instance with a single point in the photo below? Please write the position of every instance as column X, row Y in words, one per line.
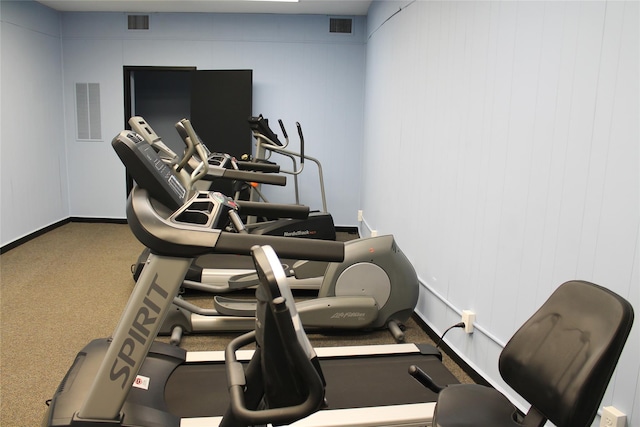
column 129, row 379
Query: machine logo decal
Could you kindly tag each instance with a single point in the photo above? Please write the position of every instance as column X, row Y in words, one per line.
column 139, row 334
column 298, row 233
column 348, row 315
column 142, row 382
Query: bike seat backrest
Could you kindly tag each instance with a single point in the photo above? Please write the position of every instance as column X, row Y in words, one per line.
column 562, row 358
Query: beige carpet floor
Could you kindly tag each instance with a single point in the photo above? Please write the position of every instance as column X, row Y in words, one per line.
column 68, row 286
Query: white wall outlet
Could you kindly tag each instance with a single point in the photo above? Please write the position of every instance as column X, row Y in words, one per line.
column 611, row 417
column 360, row 215
column 374, row 233
column 468, row 317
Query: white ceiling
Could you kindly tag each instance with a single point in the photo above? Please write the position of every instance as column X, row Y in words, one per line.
column 316, row 7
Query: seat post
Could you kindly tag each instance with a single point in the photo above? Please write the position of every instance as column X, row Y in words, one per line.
column 534, row 418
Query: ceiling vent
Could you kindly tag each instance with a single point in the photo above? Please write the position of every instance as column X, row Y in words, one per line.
column 340, row 25
column 138, row 22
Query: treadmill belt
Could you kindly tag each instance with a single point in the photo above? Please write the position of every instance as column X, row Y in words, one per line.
column 200, row 390
column 197, row 390
column 380, row 381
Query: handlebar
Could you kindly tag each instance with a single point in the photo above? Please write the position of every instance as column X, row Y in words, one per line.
column 289, row 342
column 299, row 361
column 301, row 142
column 273, row 210
column 284, row 131
column 203, row 167
column 251, row 176
column 194, row 145
column 189, row 143
column 258, row 166
column 285, row 247
column 423, row 378
column 149, row 221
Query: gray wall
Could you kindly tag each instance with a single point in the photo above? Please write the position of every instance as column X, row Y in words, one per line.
column 300, row 73
column 33, row 168
column 518, row 126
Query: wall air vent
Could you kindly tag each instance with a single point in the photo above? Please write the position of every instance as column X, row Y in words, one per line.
column 88, row 111
column 138, row 22
column 340, row 25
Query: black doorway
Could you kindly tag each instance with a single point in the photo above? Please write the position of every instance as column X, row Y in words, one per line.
column 218, row 103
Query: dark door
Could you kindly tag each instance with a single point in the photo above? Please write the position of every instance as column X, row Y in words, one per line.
column 162, row 97
column 218, row 103
column 221, row 103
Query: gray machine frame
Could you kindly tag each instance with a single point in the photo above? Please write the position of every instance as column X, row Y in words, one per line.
column 98, row 387
column 220, row 279
column 374, row 287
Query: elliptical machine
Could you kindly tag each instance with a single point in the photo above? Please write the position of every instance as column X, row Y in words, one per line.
column 374, row 287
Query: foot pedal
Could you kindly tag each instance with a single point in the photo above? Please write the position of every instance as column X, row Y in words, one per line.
column 235, row 307
column 247, row 280
column 243, row 281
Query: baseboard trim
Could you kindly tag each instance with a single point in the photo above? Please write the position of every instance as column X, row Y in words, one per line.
column 25, row 239
column 44, row 230
column 98, row 220
column 476, row 377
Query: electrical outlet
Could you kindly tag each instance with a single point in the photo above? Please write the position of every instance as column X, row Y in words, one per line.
column 468, row 317
column 374, row 233
column 611, row 417
column 360, row 215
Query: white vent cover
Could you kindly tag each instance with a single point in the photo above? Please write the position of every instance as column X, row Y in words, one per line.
column 88, row 111
column 341, row 25
column 138, row 22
